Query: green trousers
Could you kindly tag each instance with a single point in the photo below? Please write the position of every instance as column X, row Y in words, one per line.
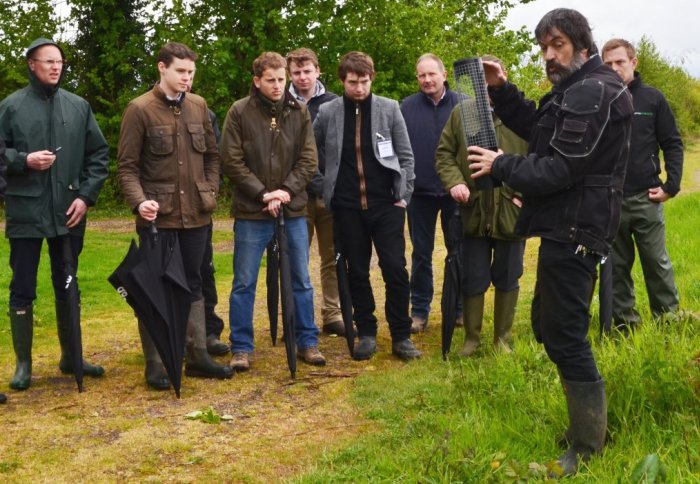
column 642, row 224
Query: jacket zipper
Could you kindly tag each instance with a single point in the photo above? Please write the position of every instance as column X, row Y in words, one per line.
column 358, row 157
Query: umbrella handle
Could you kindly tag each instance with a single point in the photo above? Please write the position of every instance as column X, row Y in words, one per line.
column 153, row 232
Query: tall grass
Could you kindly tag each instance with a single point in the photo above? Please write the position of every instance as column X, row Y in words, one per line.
column 496, row 418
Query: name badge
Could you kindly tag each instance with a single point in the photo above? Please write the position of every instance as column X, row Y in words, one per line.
column 386, row 149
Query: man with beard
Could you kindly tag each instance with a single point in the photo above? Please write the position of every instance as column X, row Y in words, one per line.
column 56, row 164
column 572, row 186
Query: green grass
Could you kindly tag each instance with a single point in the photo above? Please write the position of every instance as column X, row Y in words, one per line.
column 492, row 418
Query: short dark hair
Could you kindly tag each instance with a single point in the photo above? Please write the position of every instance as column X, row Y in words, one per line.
column 175, row 49
column 268, row 60
column 615, row 43
column 300, row 56
column 570, row 23
column 356, row 62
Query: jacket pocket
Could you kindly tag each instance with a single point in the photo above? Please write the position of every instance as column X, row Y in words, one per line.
column 508, row 212
column 199, row 142
column 207, row 197
column 160, row 139
column 163, row 193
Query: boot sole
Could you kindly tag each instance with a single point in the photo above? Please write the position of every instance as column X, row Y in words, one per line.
column 203, row 374
column 20, row 386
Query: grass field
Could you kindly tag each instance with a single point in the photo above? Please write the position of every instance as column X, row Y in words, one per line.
column 492, row 418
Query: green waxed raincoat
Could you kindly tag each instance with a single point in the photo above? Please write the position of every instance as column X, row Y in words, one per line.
column 489, row 213
column 37, row 118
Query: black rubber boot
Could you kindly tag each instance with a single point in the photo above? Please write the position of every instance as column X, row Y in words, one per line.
column 588, row 421
column 66, row 363
column 22, row 324
column 198, row 363
column 156, row 376
column 473, row 315
column 504, row 304
column 3, row 398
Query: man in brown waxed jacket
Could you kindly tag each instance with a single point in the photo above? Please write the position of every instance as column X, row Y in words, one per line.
column 168, row 171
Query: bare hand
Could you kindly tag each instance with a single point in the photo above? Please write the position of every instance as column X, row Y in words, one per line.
column 401, row 203
column 494, row 73
column 40, row 160
column 281, row 195
column 149, row 210
column 481, row 159
column 273, row 207
column 658, row 195
column 75, row 213
column 460, row 193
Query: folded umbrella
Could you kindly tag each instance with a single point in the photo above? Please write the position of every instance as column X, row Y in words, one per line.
column 451, row 286
column 344, row 295
column 273, row 287
column 73, row 310
column 152, row 280
column 288, row 317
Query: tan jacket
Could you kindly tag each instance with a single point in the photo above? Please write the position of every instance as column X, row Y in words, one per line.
column 259, row 155
column 168, row 154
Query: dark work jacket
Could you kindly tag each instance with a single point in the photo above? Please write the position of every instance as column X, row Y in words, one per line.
column 425, row 122
column 653, row 127
column 579, row 145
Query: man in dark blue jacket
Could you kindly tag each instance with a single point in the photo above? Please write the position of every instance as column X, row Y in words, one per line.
column 426, row 113
column 572, row 185
column 642, row 216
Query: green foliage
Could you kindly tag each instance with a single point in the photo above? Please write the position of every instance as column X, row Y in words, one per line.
column 20, row 23
column 649, row 470
column 681, row 90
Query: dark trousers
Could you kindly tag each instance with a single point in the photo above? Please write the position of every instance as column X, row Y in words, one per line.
column 560, row 308
column 192, row 243
column 487, row 260
column 382, row 226
column 422, row 218
column 214, row 324
column 24, row 262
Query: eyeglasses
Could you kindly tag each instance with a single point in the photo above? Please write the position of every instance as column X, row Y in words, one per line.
column 50, row 62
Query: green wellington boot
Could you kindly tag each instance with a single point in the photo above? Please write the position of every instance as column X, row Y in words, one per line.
column 473, row 315
column 66, row 363
column 156, row 376
column 198, row 363
column 22, row 324
column 503, row 314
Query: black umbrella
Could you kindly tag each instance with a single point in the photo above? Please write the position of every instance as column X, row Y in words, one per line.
column 605, row 293
column 451, row 286
column 73, row 311
column 287, row 294
column 152, row 280
column 273, row 287
column 341, row 269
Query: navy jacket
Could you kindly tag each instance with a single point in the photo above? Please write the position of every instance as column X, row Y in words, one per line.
column 425, row 122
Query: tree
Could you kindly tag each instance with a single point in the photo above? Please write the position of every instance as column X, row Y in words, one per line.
column 36, row 19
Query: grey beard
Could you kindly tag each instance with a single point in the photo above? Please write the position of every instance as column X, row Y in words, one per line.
column 564, row 72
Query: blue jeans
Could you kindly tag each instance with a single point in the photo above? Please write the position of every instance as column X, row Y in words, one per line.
column 250, row 237
column 422, row 218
